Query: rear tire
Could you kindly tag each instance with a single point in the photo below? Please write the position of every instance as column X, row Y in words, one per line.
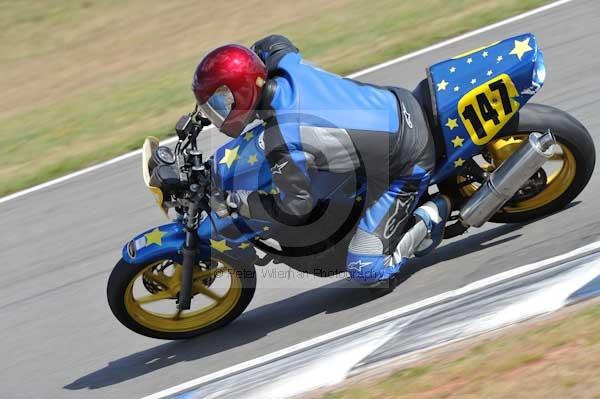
column 569, row 132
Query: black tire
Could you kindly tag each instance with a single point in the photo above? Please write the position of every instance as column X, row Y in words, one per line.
column 568, row 132
column 122, row 274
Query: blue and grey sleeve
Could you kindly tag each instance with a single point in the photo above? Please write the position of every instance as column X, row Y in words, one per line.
column 289, row 169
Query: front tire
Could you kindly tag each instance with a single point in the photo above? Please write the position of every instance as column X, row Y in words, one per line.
column 143, row 297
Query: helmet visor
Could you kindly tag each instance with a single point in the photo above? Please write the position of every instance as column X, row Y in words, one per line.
column 218, row 106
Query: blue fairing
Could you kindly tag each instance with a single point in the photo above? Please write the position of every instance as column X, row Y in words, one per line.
column 162, row 242
column 459, row 77
column 248, row 169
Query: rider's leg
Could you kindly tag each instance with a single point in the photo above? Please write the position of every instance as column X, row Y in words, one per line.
column 379, row 249
column 433, row 216
column 371, row 251
column 427, row 232
column 370, row 263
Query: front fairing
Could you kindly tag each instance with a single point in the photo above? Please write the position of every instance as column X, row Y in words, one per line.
column 167, row 241
column 230, row 236
column 162, row 242
column 240, row 164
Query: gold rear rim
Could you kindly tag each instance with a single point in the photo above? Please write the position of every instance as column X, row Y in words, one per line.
column 150, row 297
column 560, row 172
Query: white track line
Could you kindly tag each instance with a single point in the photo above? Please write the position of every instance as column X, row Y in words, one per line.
column 354, row 75
column 477, row 285
column 459, row 38
column 78, row 173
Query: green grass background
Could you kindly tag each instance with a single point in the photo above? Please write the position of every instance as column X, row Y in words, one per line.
column 84, row 81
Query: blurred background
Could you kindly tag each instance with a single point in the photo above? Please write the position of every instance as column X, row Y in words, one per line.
column 84, row 81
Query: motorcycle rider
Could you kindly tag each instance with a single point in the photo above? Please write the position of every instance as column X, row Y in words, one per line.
column 315, row 119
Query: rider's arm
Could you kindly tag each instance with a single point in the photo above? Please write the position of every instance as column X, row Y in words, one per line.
column 293, row 203
column 288, row 160
column 271, row 50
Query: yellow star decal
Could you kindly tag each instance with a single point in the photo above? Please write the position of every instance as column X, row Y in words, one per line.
column 358, row 198
column 230, row 156
column 220, row 246
column 248, row 136
column 154, row 237
column 458, row 142
column 252, row 159
column 459, row 162
column 442, row 85
column 451, row 123
column 521, row 47
column 244, row 245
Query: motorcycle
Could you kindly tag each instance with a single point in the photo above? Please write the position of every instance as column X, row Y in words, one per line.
column 499, row 159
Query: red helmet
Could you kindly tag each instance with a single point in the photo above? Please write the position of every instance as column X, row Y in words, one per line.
column 227, row 85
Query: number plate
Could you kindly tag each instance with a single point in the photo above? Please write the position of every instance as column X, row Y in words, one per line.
column 486, row 109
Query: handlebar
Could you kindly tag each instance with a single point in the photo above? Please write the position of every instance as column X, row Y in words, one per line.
column 182, row 175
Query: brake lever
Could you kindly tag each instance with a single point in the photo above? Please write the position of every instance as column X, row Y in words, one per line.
column 203, row 121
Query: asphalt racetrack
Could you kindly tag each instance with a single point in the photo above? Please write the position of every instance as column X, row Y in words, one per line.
column 59, row 340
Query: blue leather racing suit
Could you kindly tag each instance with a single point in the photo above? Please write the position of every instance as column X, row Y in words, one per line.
column 318, row 120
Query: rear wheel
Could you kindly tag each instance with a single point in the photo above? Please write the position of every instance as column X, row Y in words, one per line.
column 560, row 180
column 143, row 297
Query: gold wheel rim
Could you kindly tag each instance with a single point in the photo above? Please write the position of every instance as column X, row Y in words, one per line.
column 557, row 182
column 143, row 308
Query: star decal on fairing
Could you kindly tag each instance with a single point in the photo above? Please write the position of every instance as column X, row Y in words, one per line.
column 230, row 156
column 458, row 141
column 452, row 123
column 220, row 246
column 521, row 47
column 154, row 237
column 252, row 159
column 459, row 162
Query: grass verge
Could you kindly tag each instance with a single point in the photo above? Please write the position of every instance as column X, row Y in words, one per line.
column 557, row 358
column 84, row 81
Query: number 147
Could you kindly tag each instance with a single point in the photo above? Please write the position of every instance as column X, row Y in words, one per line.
column 487, row 108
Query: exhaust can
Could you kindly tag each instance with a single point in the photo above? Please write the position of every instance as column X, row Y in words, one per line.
column 505, row 181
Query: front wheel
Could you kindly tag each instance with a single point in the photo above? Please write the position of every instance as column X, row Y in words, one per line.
column 143, row 297
column 560, row 180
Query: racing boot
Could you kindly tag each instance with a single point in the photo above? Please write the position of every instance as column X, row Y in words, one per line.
column 434, row 214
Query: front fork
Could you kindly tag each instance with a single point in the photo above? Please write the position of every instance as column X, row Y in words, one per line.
column 189, row 258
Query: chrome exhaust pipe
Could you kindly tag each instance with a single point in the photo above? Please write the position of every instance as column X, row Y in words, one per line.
column 505, row 181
